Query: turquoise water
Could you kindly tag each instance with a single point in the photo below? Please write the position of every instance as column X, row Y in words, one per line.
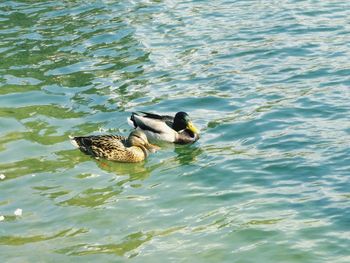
column 267, row 83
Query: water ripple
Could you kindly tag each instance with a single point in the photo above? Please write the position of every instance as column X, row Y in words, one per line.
column 267, row 84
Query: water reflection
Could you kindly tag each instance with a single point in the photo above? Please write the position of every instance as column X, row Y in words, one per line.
column 92, row 197
column 130, row 243
column 126, row 175
column 269, row 177
column 22, row 240
column 32, row 166
column 128, row 246
column 188, row 154
column 116, row 177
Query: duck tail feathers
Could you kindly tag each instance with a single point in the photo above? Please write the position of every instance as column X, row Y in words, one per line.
column 73, row 141
column 131, row 120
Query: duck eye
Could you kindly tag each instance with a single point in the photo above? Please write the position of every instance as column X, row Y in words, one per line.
column 190, row 133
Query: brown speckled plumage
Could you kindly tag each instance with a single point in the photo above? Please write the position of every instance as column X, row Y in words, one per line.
column 115, row 147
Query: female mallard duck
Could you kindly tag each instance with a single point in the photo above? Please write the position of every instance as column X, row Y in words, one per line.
column 118, row 148
column 178, row 129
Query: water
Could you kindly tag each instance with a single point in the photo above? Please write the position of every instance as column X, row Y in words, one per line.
column 267, row 82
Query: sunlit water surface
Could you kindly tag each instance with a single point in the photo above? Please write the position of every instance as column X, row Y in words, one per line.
column 267, row 83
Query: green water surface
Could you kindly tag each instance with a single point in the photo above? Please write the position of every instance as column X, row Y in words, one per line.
column 267, row 83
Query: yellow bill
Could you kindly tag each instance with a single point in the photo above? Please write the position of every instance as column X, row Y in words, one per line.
column 192, row 128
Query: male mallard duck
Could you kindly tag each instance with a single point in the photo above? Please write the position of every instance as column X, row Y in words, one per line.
column 178, row 129
column 116, row 147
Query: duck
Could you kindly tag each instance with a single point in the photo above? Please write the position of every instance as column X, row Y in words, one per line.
column 131, row 149
column 177, row 129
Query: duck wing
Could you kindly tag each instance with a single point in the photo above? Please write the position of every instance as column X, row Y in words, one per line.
column 100, row 146
column 155, row 116
column 152, row 122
